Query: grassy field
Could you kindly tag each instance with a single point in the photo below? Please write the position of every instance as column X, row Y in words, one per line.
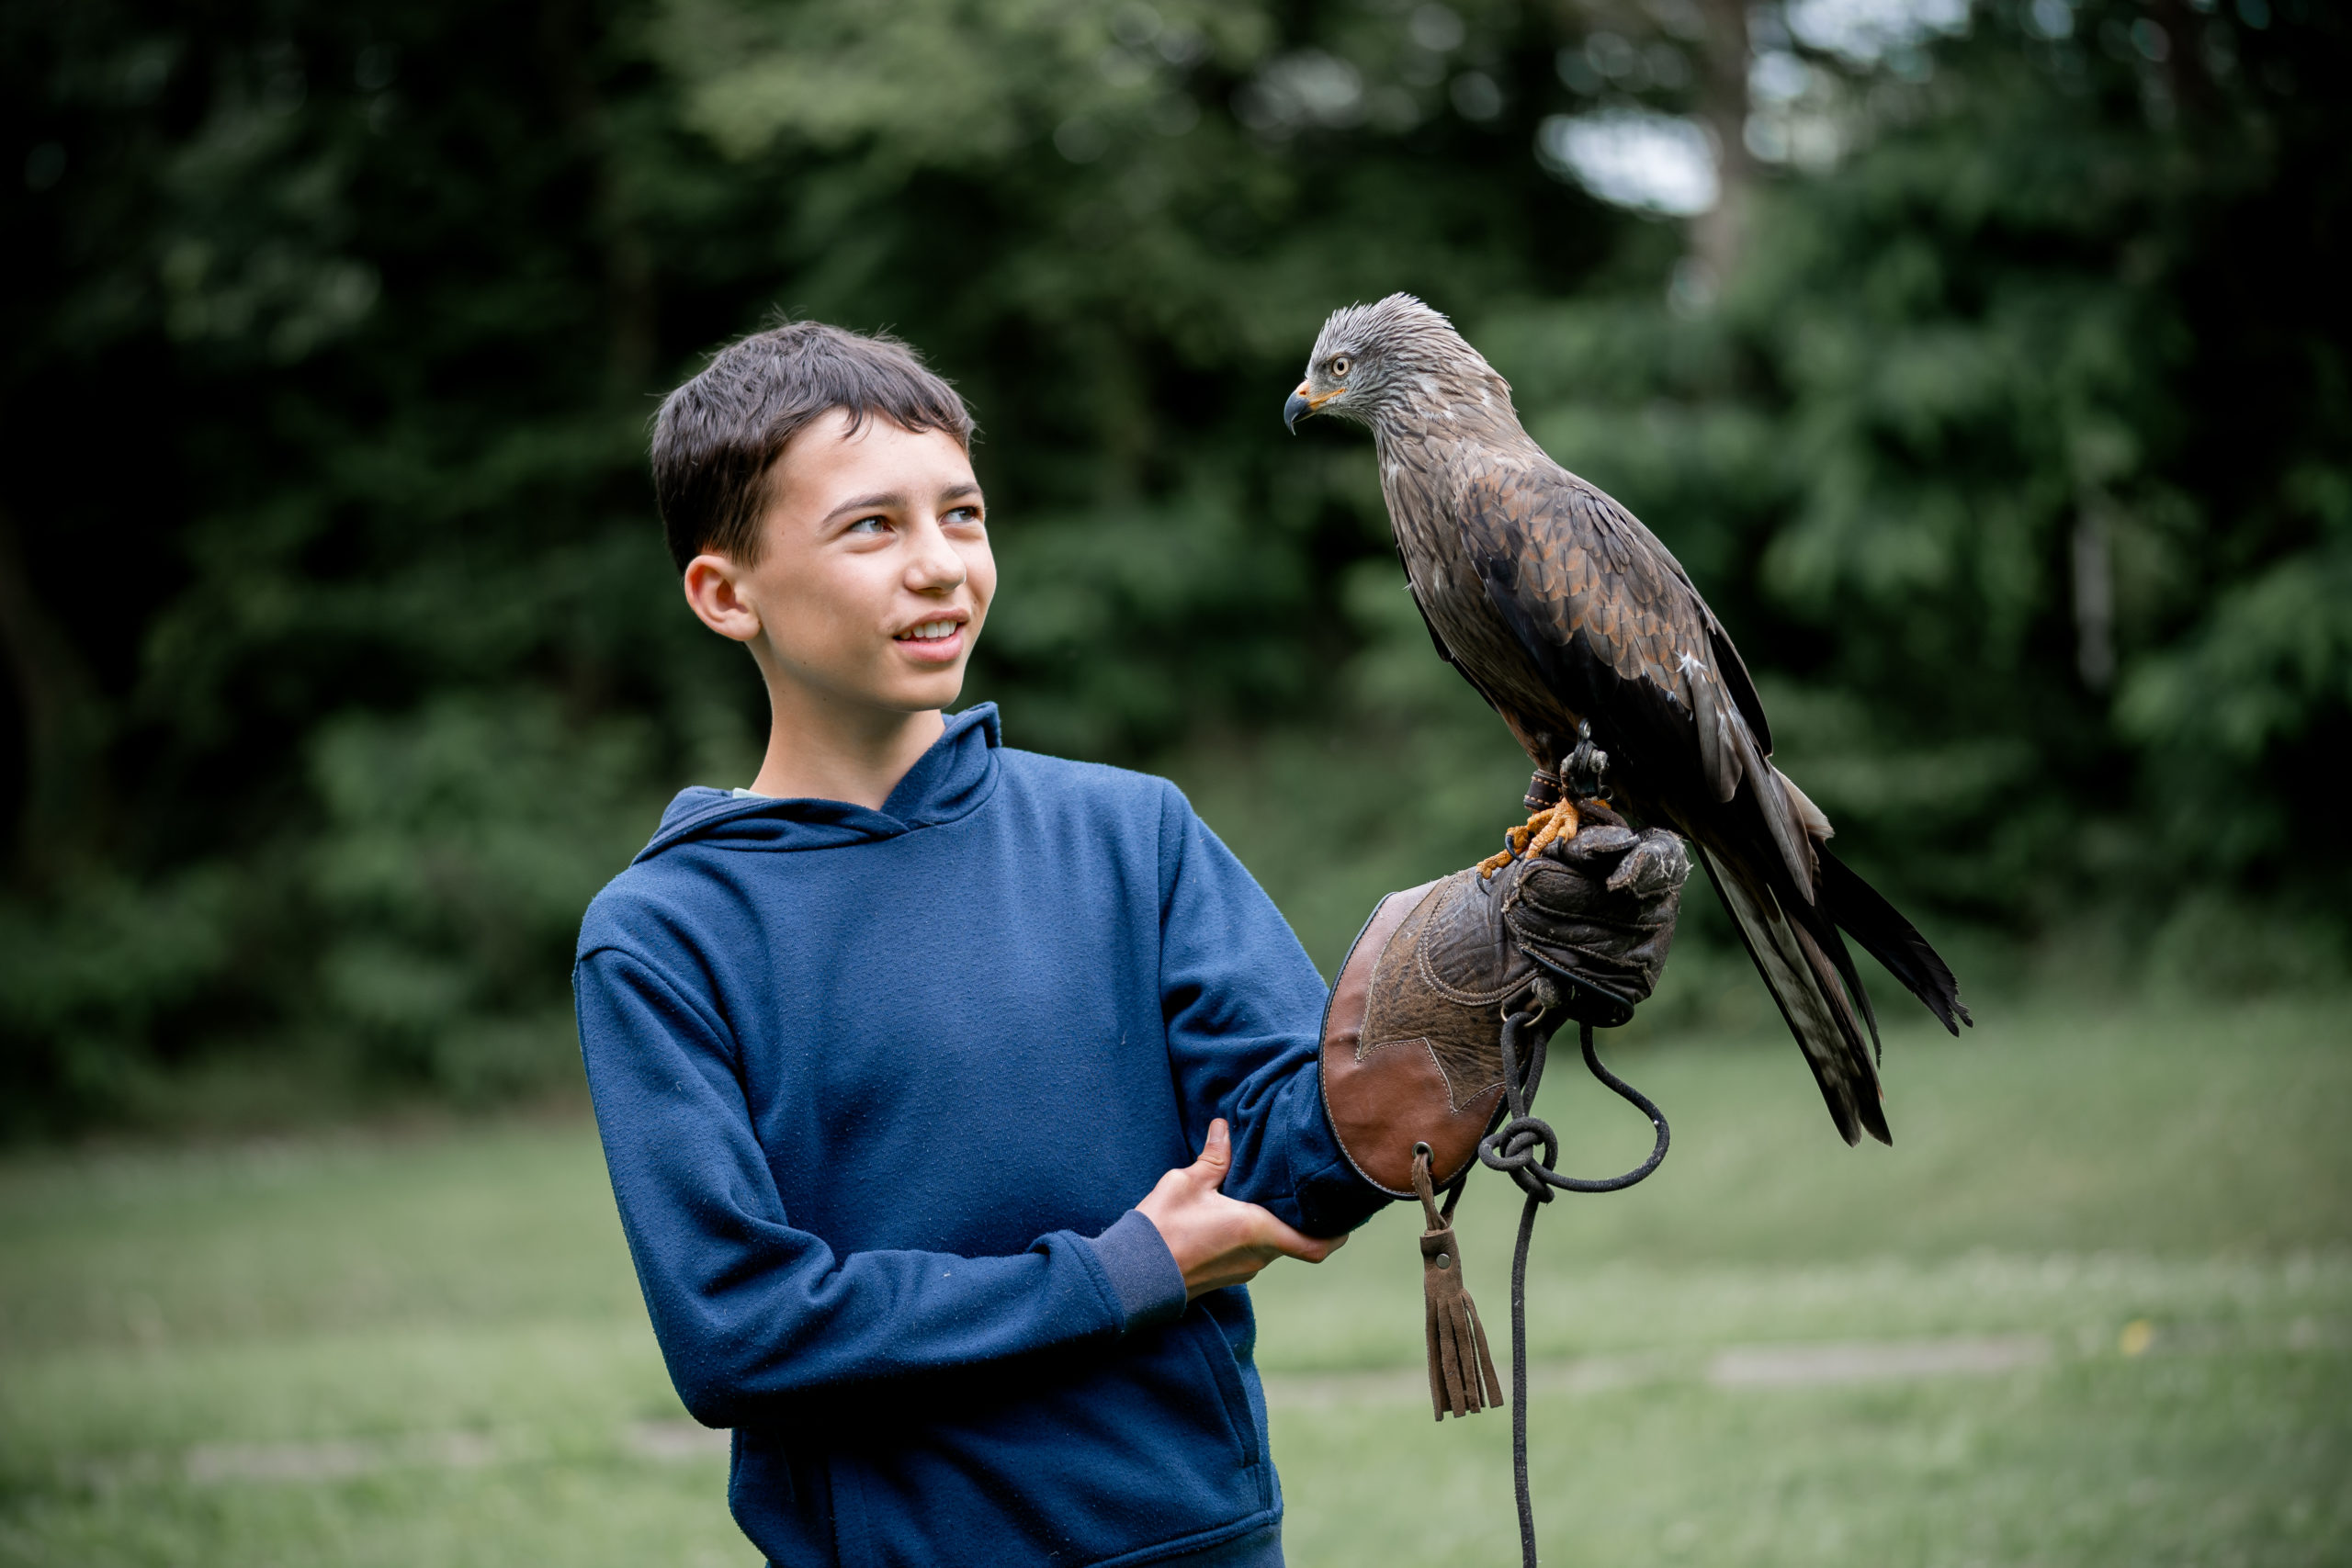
column 2095, row 1307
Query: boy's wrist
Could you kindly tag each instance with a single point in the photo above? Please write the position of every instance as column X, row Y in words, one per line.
column 1143, row 1272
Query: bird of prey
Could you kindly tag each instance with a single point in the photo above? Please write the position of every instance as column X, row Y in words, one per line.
column 1572, row 620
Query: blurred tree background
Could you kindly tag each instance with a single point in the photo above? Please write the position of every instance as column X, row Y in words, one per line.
column 1990, row 368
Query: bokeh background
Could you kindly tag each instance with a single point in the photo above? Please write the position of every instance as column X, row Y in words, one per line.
column 1989, row 365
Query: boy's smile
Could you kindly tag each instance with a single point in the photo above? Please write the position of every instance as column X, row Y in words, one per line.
column 940, row 639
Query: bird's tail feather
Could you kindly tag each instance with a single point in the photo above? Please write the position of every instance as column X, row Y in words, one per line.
column 1818, row 994
column 1894, row 942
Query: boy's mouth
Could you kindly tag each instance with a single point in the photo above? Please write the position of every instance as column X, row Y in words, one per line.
column 940, row 639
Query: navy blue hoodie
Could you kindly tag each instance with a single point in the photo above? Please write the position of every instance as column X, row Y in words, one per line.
column 879, row 1090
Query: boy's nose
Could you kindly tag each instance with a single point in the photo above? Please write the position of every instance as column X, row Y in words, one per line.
column 936, row 566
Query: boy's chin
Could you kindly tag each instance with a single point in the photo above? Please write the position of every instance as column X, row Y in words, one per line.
column 926, row 693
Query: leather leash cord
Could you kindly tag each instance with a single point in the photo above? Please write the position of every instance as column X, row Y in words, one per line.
column 1511, row 1149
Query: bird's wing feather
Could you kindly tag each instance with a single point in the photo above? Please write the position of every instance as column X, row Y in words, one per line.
column 1556, row 564
column 1445, row 653
column 1848, row 900
column 1799, row 971
column 1614, row 624
column 1645, row 552
column 1413, row 594
column 1894, row 941
column 1733, row 670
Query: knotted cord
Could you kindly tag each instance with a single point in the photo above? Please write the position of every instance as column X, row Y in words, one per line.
column 1511, row 1149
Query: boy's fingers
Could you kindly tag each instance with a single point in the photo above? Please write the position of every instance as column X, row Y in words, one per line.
column 1217, row 1155
column 1290, row 1243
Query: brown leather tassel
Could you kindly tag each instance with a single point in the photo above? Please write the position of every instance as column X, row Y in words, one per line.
column 1461, row 1369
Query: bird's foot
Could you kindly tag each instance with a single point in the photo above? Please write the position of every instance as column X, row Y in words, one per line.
column 1558, row 824
column 1536, row 835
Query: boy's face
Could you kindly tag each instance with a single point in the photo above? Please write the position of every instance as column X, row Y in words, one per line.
column 874, row 572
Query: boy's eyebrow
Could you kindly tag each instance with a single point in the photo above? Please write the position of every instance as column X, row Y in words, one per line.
column 884, row 501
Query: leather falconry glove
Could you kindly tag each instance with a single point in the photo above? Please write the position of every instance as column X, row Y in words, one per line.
column 1412, row 1039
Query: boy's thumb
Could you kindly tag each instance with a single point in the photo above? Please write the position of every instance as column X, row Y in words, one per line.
column 1217, row 1155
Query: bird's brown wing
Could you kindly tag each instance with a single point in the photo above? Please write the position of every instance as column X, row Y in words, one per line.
column 1437, row 641
column 1618, row 632
column 1529, row 740
column 1611, row 621
column 1633, row 557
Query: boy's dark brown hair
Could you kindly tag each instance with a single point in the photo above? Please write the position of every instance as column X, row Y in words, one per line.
column 716, row 436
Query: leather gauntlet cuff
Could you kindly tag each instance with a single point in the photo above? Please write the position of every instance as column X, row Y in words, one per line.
column 1383, row 1095
column 1412, row 1049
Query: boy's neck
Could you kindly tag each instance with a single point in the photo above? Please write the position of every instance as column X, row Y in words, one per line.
column 821, row 748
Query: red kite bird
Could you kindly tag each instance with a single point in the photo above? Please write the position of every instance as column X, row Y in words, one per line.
column 1573, row 621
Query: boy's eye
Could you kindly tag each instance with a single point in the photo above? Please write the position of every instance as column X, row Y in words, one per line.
column 869, row 525
column 968, row 514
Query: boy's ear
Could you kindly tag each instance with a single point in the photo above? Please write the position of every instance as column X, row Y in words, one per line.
column 713, row 593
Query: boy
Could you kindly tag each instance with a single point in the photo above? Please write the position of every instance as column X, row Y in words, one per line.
column 901, row 1055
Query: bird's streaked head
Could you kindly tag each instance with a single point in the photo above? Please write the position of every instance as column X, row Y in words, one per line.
column 1377, row 364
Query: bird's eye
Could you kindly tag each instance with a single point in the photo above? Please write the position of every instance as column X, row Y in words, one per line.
column 1339, row 367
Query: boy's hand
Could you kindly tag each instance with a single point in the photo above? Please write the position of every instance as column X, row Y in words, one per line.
column 1219, row 1241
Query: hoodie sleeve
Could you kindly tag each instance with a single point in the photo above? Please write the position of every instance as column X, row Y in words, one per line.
column 746, row 1306
column 1244, row 1007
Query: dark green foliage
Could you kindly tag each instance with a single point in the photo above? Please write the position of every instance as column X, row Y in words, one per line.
column 347, row 663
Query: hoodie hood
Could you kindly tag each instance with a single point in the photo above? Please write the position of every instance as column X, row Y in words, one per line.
column 952, row 779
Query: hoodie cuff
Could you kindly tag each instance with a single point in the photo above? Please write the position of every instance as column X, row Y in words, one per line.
column 1143, row 1272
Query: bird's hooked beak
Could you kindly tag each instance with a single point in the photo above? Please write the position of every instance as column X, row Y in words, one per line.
column 1302, row 403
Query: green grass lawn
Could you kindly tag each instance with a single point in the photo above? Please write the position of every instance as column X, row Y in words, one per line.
column 2095, row 1307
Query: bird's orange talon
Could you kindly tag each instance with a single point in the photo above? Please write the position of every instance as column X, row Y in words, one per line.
column 1539, row 832
column 1560, row 822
